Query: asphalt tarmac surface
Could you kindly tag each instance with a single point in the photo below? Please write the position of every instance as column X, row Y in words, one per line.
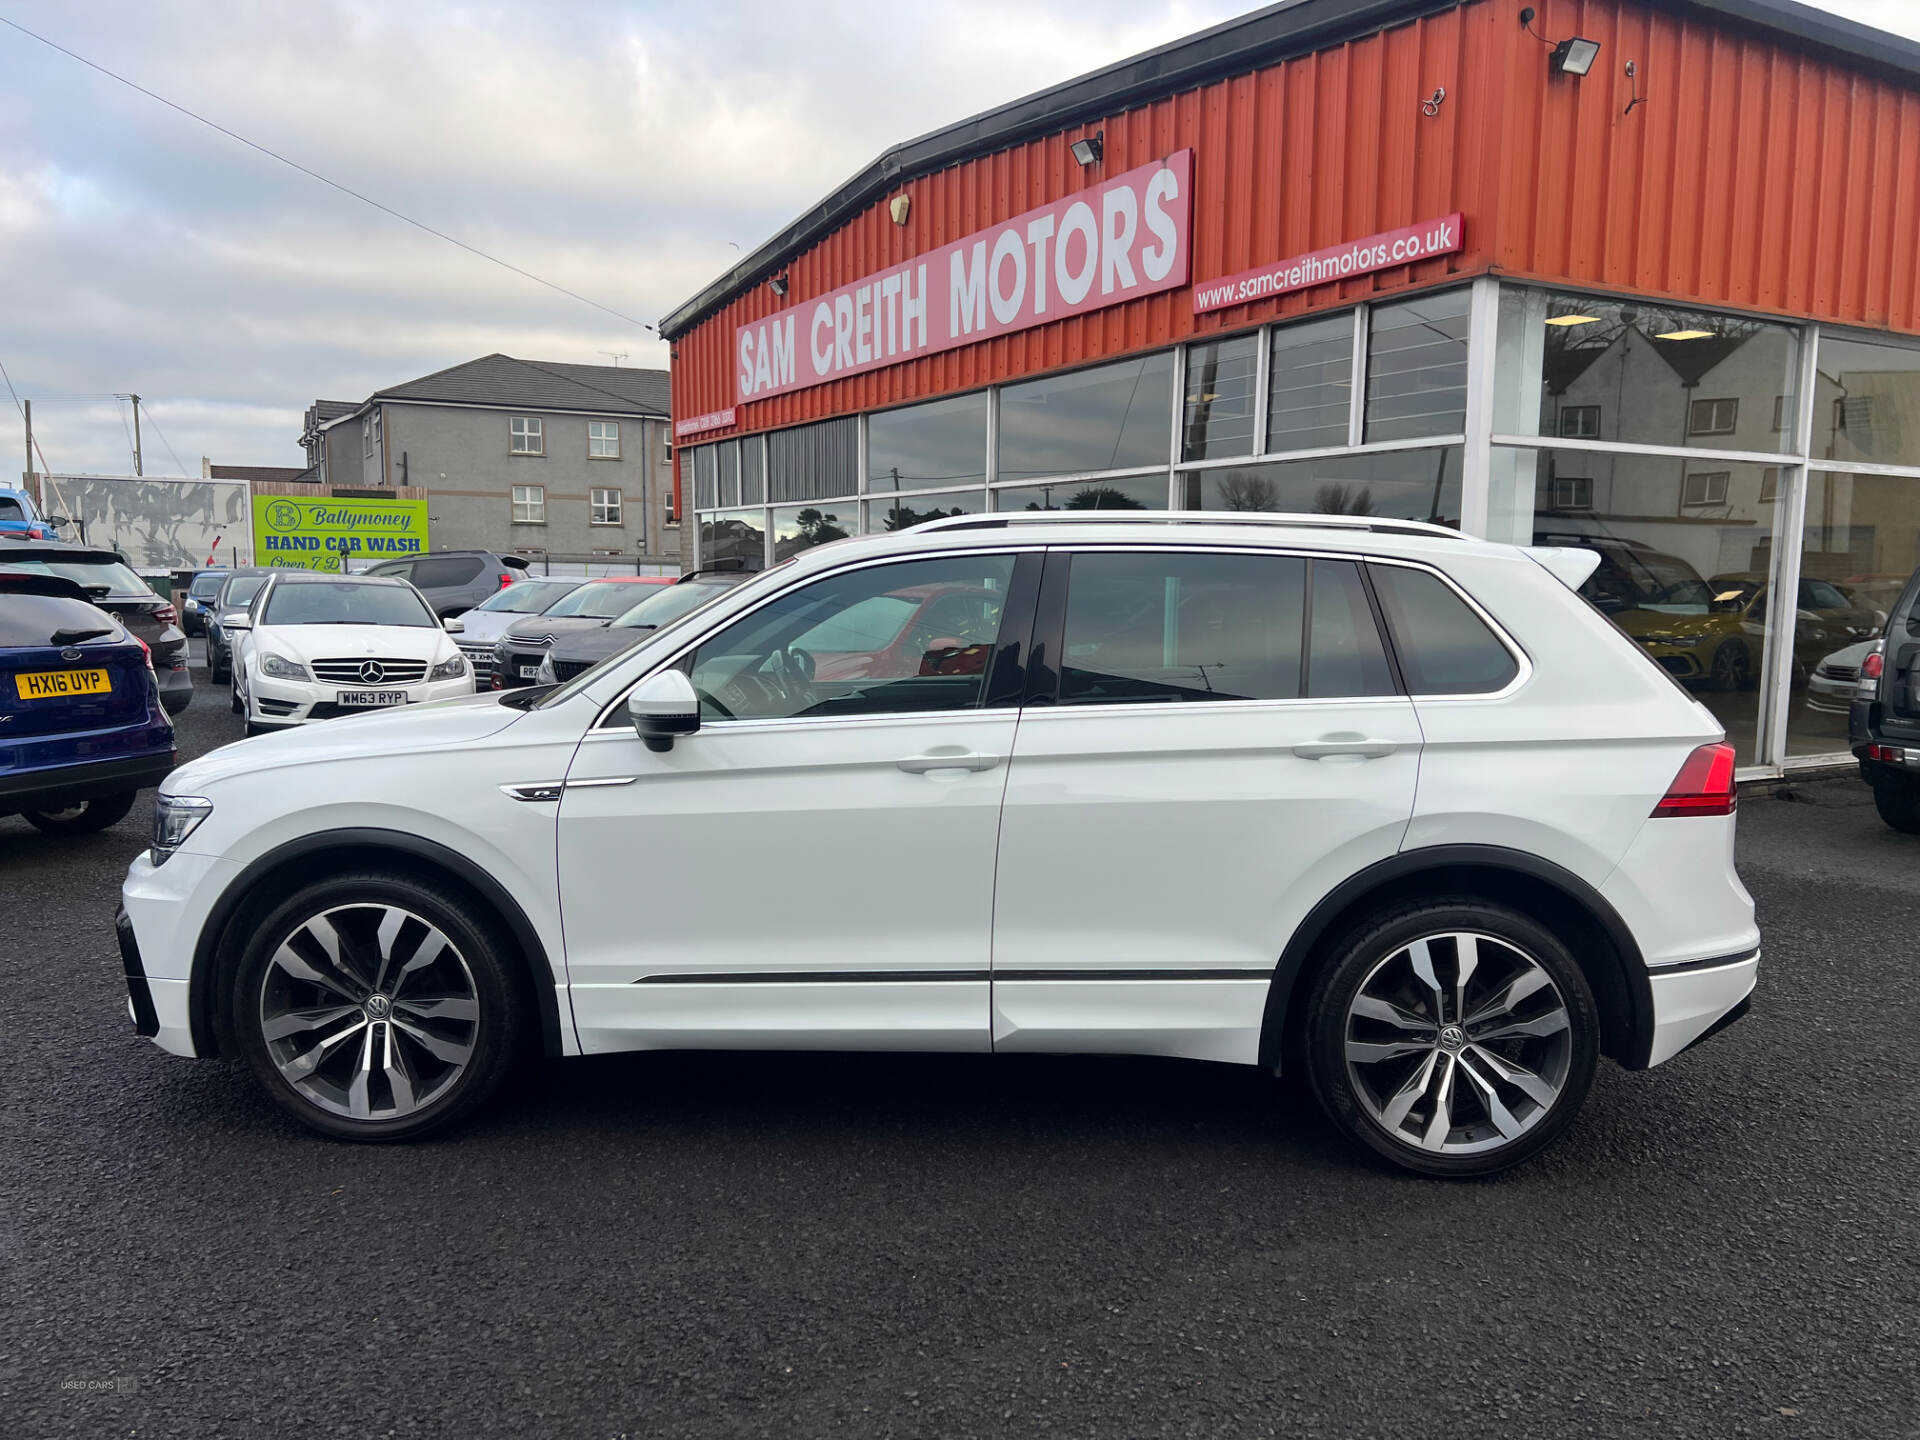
column 948, row 1246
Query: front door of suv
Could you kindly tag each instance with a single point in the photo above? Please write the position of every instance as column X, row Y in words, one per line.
column 814, row 866
column 1212, row 741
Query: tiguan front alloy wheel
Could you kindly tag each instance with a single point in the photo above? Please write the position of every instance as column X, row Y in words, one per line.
column 371, row 1008
column 1455, row 1038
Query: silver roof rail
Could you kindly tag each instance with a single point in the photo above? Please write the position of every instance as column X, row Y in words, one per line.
column 1189, row 517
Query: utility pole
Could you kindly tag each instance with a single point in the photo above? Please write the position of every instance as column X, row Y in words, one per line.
column 27, row 407
column 136, row 437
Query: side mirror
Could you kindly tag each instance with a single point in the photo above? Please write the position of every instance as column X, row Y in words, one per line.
column 663, row 707
column 453, row 625
column 235, row 622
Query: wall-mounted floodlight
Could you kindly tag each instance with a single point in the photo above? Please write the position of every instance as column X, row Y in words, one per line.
column 1087, row 149
column 1575, row 56
column 900, row 207
column 778, row 284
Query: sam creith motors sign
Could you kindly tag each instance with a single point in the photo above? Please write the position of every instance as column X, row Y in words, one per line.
column 1118, row 241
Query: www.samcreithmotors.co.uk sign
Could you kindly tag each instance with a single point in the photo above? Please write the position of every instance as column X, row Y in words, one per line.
column 1119, row 241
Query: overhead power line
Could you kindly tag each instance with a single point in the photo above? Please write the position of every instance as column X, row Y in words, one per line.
column 316, row 175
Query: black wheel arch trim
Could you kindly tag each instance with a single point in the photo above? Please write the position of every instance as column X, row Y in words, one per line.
column 1409, row 864
column 203, row 992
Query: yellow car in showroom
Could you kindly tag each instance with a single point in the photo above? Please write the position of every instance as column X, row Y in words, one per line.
column 1719, row 646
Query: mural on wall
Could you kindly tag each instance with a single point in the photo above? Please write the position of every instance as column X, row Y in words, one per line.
column 157, row 523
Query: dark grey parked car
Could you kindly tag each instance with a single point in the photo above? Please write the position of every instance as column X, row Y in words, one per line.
column 574, row 650
column 111, row 585
column 236, row 592
column 1883, row 727
column 454, row 581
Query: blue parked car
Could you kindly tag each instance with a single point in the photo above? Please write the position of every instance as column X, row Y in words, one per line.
column 199, row 602
column 82, row 730
column 19, row 520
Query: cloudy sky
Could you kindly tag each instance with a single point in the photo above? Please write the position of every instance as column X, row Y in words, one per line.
column 623, row 151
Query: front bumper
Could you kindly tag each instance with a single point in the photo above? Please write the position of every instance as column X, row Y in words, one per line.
column 1694, row 1000
column 507, row 664
column 58, row 785
column 297, row 702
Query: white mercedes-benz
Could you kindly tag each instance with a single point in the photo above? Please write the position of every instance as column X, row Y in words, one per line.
column 313, row 647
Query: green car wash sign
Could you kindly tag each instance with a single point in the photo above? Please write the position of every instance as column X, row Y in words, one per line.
column 295, row 532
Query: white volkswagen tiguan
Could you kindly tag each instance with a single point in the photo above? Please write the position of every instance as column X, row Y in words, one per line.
column 316, row 646
column 1361, row 799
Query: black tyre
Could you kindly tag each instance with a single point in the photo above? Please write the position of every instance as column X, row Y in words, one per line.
column 1731, row 667
column 1453, row 1037
column 1898, row 802
column 375, row 1007
column 82, row 818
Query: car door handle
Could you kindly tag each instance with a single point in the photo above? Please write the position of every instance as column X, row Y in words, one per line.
column 954, row 760
column 1358, row 745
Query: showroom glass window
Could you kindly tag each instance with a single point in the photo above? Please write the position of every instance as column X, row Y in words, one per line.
column 814, row 462
column 1310, row 383
column 938, row 445
column 801, row 527
column 882, row 639
column 1109, row 417
column 737, row 540
column 887, row 513
column 1397, row 484
column 1417, row 367
column 1866, row 406
column 1217, row 412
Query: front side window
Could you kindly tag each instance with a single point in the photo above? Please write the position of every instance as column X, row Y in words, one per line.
column 887, row 639
column 529, row 504
column 603, row 439
column 526, row 435
column 442, row 571
column 603, row 506
column 1443, row 647
column 1158, row 627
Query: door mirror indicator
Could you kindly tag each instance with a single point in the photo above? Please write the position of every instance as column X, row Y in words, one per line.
column 662, row 708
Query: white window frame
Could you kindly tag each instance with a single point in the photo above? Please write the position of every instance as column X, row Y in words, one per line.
column 593, row 439
column 1732, row 402
column 601, row 510
column 532, row 500
column 526, row 435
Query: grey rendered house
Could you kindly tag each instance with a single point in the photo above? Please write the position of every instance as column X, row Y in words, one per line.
column 558, row 462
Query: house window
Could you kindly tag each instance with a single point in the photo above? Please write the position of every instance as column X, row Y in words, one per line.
column 1782, row 418
column 1854, row 415
column 1572, row 492
column 527, row 437
column 603, row 506
column 603, row 441
column 366, row 436
column 1713, row 417
column 1770, row 485
column 1708, row 487
column 530, row 504
column 1580, row 422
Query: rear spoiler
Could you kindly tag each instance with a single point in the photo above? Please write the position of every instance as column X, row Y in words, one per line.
column 26, row 582
column 1568, row 564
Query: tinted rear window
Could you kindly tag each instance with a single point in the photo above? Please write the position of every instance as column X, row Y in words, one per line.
column 451, row 570
column 33, row 619
column 106, row 579
column 11, row 509
column 1444, row 648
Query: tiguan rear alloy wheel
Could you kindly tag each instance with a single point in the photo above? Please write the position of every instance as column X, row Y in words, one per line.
column 1455, row 1038
column 372, row 1008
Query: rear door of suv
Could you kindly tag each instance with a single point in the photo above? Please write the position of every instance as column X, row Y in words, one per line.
column 1900, row 676
column 1211, row 740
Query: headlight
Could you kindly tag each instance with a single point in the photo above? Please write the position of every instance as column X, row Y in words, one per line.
column 449, row 669
column 547, row 677
column 277, row 668
column 175, row 817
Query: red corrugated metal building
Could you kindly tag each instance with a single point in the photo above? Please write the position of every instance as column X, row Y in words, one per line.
column 1641, row 276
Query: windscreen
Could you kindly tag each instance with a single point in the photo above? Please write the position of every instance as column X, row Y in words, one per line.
column 347, row 602
column 527, row 597
column 205, row 586
column 668, row 605
column 241, row 590
column 599, row 600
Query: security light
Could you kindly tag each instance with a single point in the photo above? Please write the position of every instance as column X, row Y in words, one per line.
column 1575, row 56
column 1686, row 335
column 778, row 284
column 1573, row 319
column 1088, row 148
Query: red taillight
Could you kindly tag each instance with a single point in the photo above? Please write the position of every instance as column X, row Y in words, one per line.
column 1704, row 785
column 34, row 532
column 505, row 580
column 1873, row 666
column 166, row 615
